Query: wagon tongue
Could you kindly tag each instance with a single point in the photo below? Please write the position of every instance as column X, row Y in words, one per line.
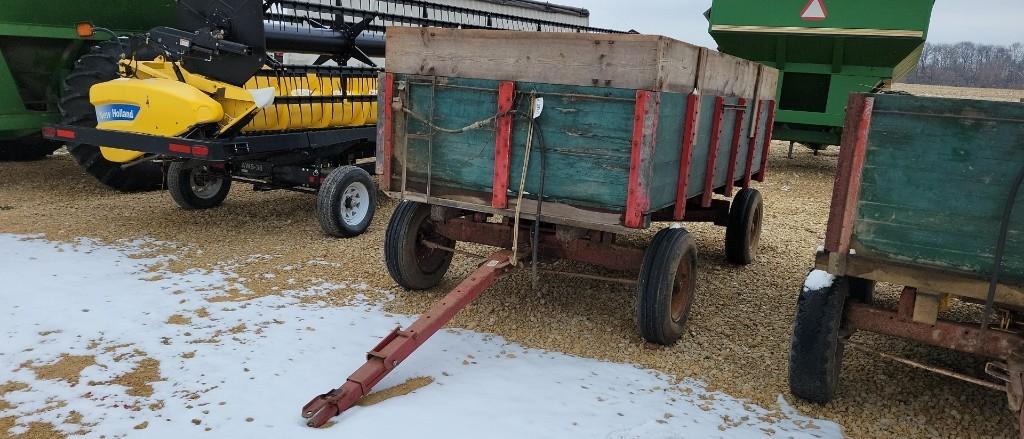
column 399, row 344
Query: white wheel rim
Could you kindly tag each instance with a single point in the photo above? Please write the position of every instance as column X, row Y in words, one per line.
column 204, row 185
column 355, row 204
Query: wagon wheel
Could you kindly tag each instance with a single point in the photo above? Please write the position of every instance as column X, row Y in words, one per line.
column 743, row 231
column 195, row 185
column 816, row 349
column 667, row 286
column 411, row 259
column 346, row 202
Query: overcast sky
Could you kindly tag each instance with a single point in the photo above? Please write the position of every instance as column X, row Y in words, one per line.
column 982, row 21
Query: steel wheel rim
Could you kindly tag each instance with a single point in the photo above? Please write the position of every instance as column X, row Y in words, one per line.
column 681, row 290
column 355, row 204
column 204, row 184
column 755, row 229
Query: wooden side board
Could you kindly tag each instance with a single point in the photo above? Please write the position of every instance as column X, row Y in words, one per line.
column 611, row 157
column 922, row 277
column 640, row 62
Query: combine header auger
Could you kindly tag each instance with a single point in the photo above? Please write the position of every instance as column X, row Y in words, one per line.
column 208, row 100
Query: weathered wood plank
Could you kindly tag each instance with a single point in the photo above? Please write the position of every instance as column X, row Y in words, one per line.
column 641, row 173
column 935, row 183
column 641, row 62
column 846, row 191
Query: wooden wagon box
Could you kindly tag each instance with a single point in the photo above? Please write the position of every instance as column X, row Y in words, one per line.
column 920, row 194
column 631, row 125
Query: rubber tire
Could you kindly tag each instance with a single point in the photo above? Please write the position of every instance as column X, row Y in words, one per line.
column 329, row 201
column 401, row 241
column 655, row 286
column 816, row 352
column 180, row 187
column 96, row 66
column 28, row 148
column 747, row 207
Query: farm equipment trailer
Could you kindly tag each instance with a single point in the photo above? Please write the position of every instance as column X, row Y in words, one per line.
column 550, row 146
column 206, row 99
column 927, row 196
column 825, row 49
column 39, row 46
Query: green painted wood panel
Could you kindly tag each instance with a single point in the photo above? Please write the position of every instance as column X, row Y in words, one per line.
column 935, row 182
column 586, row 132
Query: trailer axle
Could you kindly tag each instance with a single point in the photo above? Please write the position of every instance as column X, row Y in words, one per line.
column 399, row 344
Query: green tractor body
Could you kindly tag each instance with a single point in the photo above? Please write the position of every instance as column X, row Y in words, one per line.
column 38, row 47
column 825, row 49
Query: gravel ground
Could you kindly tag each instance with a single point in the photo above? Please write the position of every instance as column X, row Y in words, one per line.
column 738, row 335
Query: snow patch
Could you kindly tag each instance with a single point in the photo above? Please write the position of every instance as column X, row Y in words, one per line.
column 818, row 279
column 243, row 369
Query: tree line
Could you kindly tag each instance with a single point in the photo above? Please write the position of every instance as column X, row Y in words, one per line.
column 971, row 65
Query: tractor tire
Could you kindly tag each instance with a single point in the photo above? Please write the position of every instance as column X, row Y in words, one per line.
column 743, row 231
column 96, row 66
column 667, row 286
column 346, row 202
column 196, row 186
column 411, row 264
column 816, row 348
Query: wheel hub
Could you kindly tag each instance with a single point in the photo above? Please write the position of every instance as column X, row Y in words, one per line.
column 205, row 184
column 355, row 204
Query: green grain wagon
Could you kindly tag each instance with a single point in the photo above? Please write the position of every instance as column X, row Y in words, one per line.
column 825, row 49
column 613, row 132
column 927, row 196
column 550, row 145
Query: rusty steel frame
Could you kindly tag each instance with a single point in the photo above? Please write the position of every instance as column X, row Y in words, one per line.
column 945, row 334
column 594, row 248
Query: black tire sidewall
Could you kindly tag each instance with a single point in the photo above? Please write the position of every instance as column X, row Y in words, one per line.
column 738, row 235
column 656, row 284
column 816, row 350
column 400, row 245
column 330, row 199
column 180, row 187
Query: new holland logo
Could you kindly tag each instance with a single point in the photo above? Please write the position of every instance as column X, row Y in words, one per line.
column 111, row 112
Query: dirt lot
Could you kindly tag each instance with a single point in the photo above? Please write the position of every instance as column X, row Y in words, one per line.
column 739, row 330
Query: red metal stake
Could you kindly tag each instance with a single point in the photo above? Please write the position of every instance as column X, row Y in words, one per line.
column 399, row 344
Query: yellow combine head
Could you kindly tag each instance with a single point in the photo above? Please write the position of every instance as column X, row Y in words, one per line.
column 162, row 98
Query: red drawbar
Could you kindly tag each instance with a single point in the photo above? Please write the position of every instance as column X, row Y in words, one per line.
column 180, row 149
column 645, row 127
column 388, row 130
column 502, row 145
column 848, row 173
column 716, row 136
column 754, row 143
column 689, row 136
column 770, row 126
column 734, row 151
column 399, row 344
